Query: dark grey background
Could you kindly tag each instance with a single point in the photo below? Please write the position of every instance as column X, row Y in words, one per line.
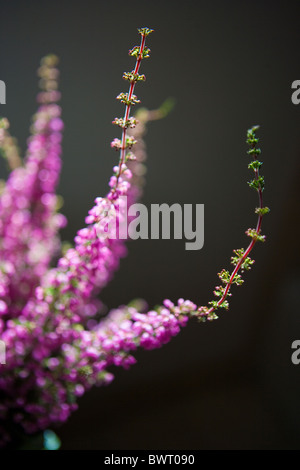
column 229, row 65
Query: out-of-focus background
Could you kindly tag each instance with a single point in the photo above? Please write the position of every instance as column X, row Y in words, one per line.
column 229, row 65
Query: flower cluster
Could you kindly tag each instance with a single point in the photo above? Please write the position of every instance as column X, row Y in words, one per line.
column 57, row 347
column 28, row 207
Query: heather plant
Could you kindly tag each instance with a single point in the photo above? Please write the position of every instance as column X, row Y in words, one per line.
column 57, row 345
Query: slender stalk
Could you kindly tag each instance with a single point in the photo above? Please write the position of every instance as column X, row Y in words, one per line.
column 247, row 251
column 127, row 109
column 242, row 260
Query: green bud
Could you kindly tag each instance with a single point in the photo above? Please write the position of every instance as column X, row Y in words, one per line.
column 262, row 210
column 254, row 152
column 251, row 232
column 224, row 276
column 133, row 77
column 145, row 31
column 255, row 165
column 237, row 279
column 257, row 183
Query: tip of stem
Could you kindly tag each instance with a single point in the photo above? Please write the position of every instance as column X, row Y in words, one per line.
column 145, row 31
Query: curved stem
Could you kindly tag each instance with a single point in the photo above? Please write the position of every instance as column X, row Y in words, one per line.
column 247, row 251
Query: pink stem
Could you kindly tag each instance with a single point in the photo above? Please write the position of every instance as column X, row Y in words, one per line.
column 247, row 251
column 127, row 110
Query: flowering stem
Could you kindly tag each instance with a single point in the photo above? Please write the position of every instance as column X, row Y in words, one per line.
column 233, row 274
column 140, row 53
column 247, row 251
column 242, row 260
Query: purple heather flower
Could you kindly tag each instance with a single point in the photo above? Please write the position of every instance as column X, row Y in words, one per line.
column 56, row 349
